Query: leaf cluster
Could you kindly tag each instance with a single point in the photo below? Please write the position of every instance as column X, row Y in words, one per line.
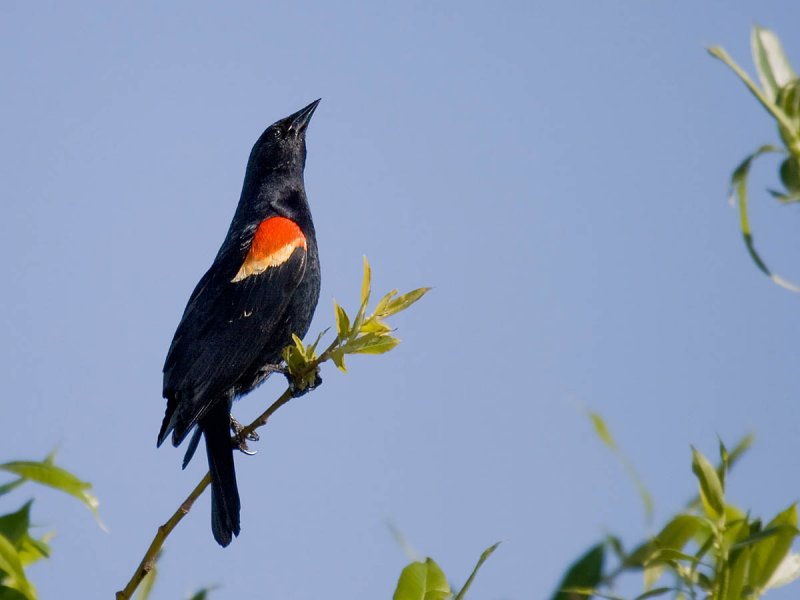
column 779, row 95
column 425, row 580
column 711, row 549
column 362, row 334
column 18, row 547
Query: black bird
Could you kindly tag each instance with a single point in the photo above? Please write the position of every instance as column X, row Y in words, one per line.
column 262, row 287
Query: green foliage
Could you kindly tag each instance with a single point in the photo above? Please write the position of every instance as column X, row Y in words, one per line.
column 711, row 549
column 779, row 95
column 422, row 581
column 484, row 555
column 583, row 576
column 201, row 594
column 360, row 335
column 425, row 580
column 605, row 436
column 18, row 548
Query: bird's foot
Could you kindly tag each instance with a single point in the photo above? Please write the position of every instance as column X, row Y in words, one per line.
column 301, row 388
column 241, row 441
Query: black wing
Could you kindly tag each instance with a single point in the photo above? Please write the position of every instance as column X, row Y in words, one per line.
column 224, row 330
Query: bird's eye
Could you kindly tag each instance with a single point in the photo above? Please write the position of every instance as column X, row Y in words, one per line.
column 279, row 132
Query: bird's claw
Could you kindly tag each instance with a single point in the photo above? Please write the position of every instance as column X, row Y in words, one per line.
column 241, row 441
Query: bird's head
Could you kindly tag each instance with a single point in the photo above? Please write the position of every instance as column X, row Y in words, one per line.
column 282, row 146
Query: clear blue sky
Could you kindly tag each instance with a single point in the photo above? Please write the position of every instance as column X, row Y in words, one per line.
column 557, row 171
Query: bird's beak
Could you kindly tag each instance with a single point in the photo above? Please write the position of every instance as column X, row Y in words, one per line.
column 299, row 120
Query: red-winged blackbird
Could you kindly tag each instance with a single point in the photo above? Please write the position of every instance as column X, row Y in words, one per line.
column 262, row 287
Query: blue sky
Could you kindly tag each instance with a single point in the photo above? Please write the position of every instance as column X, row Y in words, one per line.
column 557, row 171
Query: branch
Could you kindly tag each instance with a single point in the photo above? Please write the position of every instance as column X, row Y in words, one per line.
column 149, row 560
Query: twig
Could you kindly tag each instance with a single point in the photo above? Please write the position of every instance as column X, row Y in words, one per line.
column 148, row 562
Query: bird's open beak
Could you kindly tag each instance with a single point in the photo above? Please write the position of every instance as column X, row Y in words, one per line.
column 299, row 120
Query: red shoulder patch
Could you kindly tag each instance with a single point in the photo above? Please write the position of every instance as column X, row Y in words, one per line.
column 273, row 243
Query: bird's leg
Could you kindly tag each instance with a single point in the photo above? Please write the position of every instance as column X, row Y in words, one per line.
column 241, row 442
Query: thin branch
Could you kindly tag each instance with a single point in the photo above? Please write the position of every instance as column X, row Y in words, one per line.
column 148, row 562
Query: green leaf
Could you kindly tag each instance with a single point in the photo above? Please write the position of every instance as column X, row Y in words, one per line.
column 735, row 455
column 724, row 462
column 790, row 174
column 640, row 555
column 295, row 360
column 422, row 581
column 337, row 356
column 202, row 594
column 342, row 322
column 585, row 573
column 605, row 436
column 371, row 343
column 774, row 69
column 362, row 309
column 679, row 532
column 576, row 593
column 602, row 431
column 484, row 555
column 652, row 573
column 311, row 350
column 615, row 544
column 763, row 534
column 375, row 325
column 32, row 550
column 789, row 99
column 739, row 449
column 739, row 195
column 366, row 283
column 46, row 473
column 656, row 592
column 7, row 487
column 768, row 553
column 766, row 102
column 784, row 198
column 711, row 493
column 298, row 343
column 383, row 302
column 669, row 555
column 703, row 581
column 14, row 526
column 7, row 593
column 731, row 562
column 396, row 305
column 11, row 565
column 400, row 539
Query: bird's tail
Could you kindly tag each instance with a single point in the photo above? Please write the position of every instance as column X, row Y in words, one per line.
column 224, row 493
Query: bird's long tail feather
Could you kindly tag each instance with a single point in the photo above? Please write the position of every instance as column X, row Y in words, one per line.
column 224, row 492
